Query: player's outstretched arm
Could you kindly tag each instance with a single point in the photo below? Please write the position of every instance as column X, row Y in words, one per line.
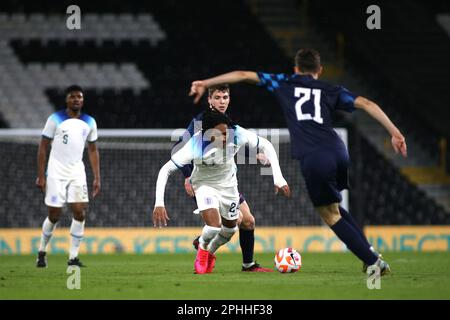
column 41, row 162
column 398, row 140
column 182, row 157
column 94, row 159
column 198, row 87
column 160, row 216
column 269, row 151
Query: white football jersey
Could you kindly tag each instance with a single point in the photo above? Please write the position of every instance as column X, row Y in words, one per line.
column 69, row 137
column 214, row 165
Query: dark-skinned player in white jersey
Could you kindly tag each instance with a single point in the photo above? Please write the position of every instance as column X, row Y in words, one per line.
column 219, row 99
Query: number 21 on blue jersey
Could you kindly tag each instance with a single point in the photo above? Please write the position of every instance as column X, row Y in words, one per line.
column 305, row 95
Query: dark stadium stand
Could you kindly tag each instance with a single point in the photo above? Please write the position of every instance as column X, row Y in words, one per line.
column 171, row 65
column 382, row 196
column 416, row 99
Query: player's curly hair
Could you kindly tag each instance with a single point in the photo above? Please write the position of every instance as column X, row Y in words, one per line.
column 72, row 88
column 212, row 117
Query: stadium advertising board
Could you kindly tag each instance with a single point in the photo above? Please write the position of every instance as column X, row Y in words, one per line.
column 179, row 240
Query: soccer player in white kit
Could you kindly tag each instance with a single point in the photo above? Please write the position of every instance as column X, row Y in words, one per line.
column 214, row 181
column 65, row 180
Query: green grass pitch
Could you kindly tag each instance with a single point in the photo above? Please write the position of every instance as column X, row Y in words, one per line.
column 170, row 276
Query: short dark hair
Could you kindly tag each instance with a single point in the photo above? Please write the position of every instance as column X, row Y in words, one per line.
column 222, row 88
column 212, row 117
column 73, row 88
column 308, row 60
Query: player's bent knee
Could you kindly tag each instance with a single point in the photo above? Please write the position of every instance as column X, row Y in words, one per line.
column 53, row 219
column 53, row 214
column 330, row 214
column 79, row 211
column 79, row 215
column 247, row 223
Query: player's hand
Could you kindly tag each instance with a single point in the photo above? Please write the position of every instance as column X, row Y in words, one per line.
column 284, row 189
column 40, row 183
column 261, row 157
column 198, row 89
column 188, row 187
column 95, row 187
column 399, row 144
column 160, row 217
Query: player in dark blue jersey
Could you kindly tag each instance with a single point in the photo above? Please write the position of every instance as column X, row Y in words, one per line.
column 308, row 105
column 219, row 99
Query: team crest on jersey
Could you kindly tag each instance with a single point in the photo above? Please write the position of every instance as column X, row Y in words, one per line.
column 54, row 199
column 208, row 200
column 84, row 132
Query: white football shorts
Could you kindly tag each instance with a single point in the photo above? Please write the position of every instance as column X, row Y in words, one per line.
column 226, row 200
column 58, row 192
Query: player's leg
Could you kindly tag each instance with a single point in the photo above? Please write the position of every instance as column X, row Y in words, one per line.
column 349, row 235
column 227, row 230
column 246, row 233
column 76, row 232
column 346, row 232
column 349, row 218
column 323, row 171
column 229, row 211
column 342, row 164
column 247, row 239
column 54, row 199
column 246, row 223
column 212, row 220
column 78, row 200
column 204, row 261
column 48, row 227
column 208, row 203
column 342, row 183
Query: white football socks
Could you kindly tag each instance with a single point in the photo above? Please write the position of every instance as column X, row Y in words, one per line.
column 47, row 231
column 208, row 233
column 221, row 238
column 76, row 235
